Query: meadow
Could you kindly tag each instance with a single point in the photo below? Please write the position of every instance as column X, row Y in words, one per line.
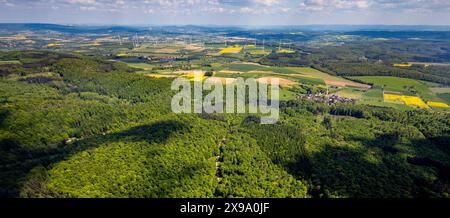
column 401, row 85
column 349, row 93
column 142, row 66
column 9, row 62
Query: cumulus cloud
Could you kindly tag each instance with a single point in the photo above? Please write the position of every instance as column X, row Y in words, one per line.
column 244, row 5
column 268, row 2
column 7, row 3
column 91, row 8
column 375, row 5
column 232, row 7
column 247, row 10
column 319, row 5
column 84, row 2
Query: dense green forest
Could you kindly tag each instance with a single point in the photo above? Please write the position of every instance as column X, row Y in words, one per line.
column 77, row 126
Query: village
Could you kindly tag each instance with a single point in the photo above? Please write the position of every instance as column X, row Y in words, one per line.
column 328, row 99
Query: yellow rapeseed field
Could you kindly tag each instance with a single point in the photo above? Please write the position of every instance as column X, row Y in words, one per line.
column 95, row 44
column 403, row 65
column 53, row 45
column 437, row 104
column 260, row 52
column 194, row 77
column 408, row 100
column 231, row 50
column 121, row 55
column 286, row 51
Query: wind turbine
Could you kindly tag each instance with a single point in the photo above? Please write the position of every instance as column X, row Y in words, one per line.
column 149, row 33
column 133, row 40
column 137, row 40
column 120, row 39
column 264, row 42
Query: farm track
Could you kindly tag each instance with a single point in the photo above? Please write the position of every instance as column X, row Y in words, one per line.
column 219, row 158
column 219, row 161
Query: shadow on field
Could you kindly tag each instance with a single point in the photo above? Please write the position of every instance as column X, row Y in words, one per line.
column 384, row 173
column 14, row 172
column 3, row 115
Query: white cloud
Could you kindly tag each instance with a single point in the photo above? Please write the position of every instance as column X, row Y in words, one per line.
column 247, row 10
column 149, row 11
column 214, row 10
column 7, row 3
column 202, row 9
column 83, row 2
column 90, row 8
column 267, row 2
column 330, row 5
column 362, row 4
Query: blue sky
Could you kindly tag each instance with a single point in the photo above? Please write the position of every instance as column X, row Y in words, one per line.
column 227, row 12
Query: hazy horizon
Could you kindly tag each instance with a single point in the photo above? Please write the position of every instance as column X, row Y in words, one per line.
column 228, row 12
column 231, row 25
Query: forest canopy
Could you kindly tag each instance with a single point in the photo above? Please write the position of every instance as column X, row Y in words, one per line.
column 78, row 126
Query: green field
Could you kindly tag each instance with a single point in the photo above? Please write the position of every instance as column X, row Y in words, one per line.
column 402, row 85
column 393, row 83
column 286, row 94
column 349, row 93
column 445, row 97
column 142, row 66
column 258, row 52
column 9, row 62
column 306, row 70
column 304, row 80
column 243, row 75
column 373, row 95
column 253, row 67
column 244, row 67
column 280, row 70
column 313, row 73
